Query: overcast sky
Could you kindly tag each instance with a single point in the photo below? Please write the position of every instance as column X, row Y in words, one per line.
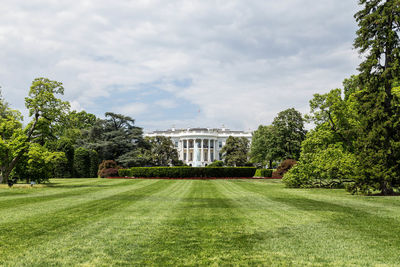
column 186, row 63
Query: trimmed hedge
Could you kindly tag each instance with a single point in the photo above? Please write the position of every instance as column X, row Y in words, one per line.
column 187, row 172
column 263, row 173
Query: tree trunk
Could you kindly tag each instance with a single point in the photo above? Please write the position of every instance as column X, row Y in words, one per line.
column 385, row 190
column 3, row 176
column 7, row 170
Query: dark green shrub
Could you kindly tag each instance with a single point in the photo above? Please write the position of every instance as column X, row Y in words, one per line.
column 94, row 163
column 188, row 172
column 124, row 173
column 263, row 173
column 67, row 170
column 82, row 162
column 217, row 163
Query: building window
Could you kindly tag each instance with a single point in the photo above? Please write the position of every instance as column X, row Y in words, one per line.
column 220, row 144
column 205, row 156
column 184, row 156
column 185, row 143
column 212, row 157
column 211, row 143
column 176, row 143
column 205, row 144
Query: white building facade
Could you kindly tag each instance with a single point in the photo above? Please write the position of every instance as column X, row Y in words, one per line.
column 198, row 147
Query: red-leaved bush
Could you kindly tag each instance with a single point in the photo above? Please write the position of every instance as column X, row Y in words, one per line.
column 110, row 172
column 108, row 168
column 284, row 167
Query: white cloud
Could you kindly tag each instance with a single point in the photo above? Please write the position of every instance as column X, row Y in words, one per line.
column 246, row 60
column 132, row 109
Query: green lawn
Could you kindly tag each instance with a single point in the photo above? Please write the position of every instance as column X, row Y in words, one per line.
column 105, row 222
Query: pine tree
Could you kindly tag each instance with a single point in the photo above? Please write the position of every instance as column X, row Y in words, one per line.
column 378, row 144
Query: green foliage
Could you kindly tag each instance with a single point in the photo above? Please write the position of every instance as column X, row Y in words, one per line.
column 38, row 164
column 66, row 145
column 235, row 151
column 162, row 151
column 114, row 137
column 378, row 141
column 330, row 167
column 217, row 163
column 331, row 112
column 188, row 172
column 263, row 173
column 82, row 163
column 288, row 134
column 43, row 105
column 264, row 147
column 94, row 163
column 124, row 172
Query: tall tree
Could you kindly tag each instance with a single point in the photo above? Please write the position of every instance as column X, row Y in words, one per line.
column 289, row 133
column 162, row 151
column 378, row 144
column 113, row 137
column 263, row 146
column 42, row 103
column 235, row 151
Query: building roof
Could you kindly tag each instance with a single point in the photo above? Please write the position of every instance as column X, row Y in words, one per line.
column 199, row 130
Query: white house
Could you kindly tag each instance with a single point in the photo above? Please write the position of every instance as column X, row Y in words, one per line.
column 199, row 147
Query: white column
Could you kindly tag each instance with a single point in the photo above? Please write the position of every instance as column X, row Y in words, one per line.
column 182, row 149
column 201, row 151
column 208, row 151
column 187, row 150
column 215, row 149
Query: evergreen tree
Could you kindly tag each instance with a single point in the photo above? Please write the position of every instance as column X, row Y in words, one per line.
column 378, row 143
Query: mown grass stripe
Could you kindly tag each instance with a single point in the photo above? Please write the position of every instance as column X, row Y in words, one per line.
column 65, row 193
column 121, row 234
column 37, row 229
column 351, row 232
column 11, row 214
column 205, row 230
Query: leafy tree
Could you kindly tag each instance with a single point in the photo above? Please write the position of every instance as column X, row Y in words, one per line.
column 235, row 151
column 42, row 103
column 331, row 112
column 162, row 151
column 323, row 162
column 289, row 133
column 38, row 164
column 264, row 147
column 378, row 142
column 113, row 137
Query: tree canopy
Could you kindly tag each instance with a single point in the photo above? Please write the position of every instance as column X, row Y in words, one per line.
column 235, row 151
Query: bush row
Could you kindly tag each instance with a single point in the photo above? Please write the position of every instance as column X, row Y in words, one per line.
column 187, row 172
column 263, row 173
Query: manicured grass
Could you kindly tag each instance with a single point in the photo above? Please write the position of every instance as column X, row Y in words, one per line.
column 102, row 222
